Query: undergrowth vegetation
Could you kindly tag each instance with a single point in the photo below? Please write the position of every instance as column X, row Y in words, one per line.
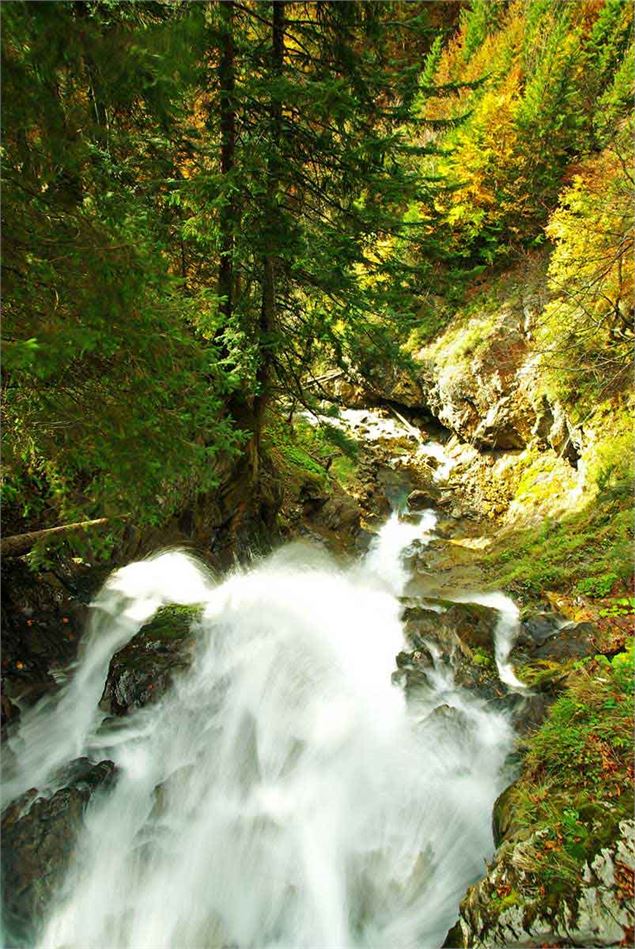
column 315, row 451
column 590, row 549
column 577, row 779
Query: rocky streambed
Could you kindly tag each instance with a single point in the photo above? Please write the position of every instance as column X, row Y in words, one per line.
column 582, row 893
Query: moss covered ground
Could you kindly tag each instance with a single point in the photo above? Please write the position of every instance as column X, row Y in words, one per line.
column 576, row 782
column 588, row 551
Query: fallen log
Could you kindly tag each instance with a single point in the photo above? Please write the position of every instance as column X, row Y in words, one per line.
column 327, row 377
column 415, row 432
column 18, row 544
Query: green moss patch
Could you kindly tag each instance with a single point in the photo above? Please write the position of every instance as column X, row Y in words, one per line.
column 306, row 453
column 592, row 547
column 171, row 622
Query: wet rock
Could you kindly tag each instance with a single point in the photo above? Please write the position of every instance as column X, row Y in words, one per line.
column 571, row 641
column 448, row 713
column 42, row 617
column 536, row 628
column 531, row 709
column 463, row 633
column 421, row 499
column 363, row 540
column 473, row 624
column 142, row 672
column 481, row 677
column 9, row 712
column 507, row 908
column 423, row 622
column 38, row 843
column 413, row 669
column 454, row 724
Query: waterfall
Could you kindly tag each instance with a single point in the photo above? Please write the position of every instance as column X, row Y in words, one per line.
column 283, row 794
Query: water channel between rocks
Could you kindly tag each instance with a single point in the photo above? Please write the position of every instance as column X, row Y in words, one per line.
column 286, row 792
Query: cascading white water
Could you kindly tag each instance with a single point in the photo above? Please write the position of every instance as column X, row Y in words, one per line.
column 57, row 728
column 505, row 634
column 283, row 794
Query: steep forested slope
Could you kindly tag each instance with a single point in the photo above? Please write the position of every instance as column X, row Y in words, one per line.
column 207, row 204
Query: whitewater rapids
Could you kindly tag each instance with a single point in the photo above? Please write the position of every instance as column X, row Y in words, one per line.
column 283, row 794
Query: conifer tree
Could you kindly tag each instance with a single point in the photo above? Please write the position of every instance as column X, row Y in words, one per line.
column 112, row 405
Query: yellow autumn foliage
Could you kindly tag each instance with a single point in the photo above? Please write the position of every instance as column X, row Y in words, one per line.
column 586, row 332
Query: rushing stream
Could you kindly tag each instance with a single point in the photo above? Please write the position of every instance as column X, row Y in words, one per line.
column 283, row 794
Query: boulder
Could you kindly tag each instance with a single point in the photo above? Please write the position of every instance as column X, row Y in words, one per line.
column 38, row 843
column 413, row 670
column 473, row 624
column 570, row 641
column 463, row 632
column 536, row 628
column 421, row 499
column 144, row 669
column 452, row 624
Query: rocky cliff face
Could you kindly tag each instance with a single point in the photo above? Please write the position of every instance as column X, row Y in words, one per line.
column 520, row 453
column 493, row 396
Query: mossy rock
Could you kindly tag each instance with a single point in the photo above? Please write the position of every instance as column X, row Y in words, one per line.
column 473, row 665
column 473, row 624
column 503, row 822
column 171, row 622
column 142, row 672
column 544, row 675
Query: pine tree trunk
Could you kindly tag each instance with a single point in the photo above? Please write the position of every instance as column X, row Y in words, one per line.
column 268, row 304
column 226, row 79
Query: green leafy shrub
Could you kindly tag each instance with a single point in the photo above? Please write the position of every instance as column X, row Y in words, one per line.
column 597, row 586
